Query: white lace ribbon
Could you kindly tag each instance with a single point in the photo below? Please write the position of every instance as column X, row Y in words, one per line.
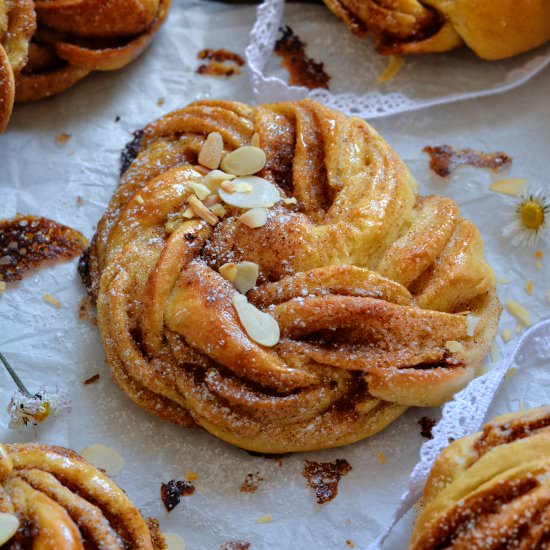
column 373, row 103
column 465, row 414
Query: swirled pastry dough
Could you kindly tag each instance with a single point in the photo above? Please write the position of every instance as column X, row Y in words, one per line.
column 373, row 287
column 64, row 503
column 493, row 29
column 491, row 489
column 46, row 46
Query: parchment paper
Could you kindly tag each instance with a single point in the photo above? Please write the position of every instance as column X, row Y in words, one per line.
column 51, row 346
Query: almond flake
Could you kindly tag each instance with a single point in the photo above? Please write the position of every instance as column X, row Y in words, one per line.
column 188, row 214
column 228, row 271
column 173, row 541
column 506, row 334
column 200, row 190
column 509, row 186
column 502, row 280
column 211, row 200
column 219, row 210
column 244, row 161
column 190, row 475
column 511, row 371
column 211, row 151
column 139, row 199
column 261, row 327
column 263, row 193
column 519, row 312
column 395, row 64
column 9, row 523
column 213, row 179
column 268, row 518
column 256, row 217
column 171, row 225
column 453, row 346
column 246, row 276
column 228, row 186
column 255, row 140
column 104, row 457
column 381, row 457
column 201, row 211
column 291, row 200
column 51, row 300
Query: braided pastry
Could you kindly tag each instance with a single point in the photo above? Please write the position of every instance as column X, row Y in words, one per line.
column 63, row 503
column 493, row 29
column 373, row 288
column 491, row 490
column 47, row 46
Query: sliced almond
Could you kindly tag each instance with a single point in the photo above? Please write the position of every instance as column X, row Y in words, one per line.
column 213, row 179
column 104, row 457
column 244, row 161
column 139, row 199
column 260, row 326
column 263, row 194
column 453, row 346
column 256, row 217
column 268, row 518
column 395, row 64
column 219, row 210
column 9, row 523
column 173, row 541
column 201, row 211
column 506, row 334
column 255, row 140
column 291, row 200
column 228, row 271
column 211, row 200
column 211, row 151
column 200, row 190
column 519, row 312
column 246, row 276
column 51, row 300
column 509, row 186
column 188, row 214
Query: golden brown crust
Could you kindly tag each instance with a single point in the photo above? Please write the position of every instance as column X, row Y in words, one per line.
column 73, row 38
column 493, row 29
column 491, row 489
column 65, row 502
column 369, row 283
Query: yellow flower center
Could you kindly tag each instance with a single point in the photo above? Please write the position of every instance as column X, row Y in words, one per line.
column 531, row 214
column 43, row 413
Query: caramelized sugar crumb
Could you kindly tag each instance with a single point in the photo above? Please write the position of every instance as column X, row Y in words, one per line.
column 28, row 241
column 235, row 545
column 92, row 379
column 323, row 477
column 251, row 483
column 171, row 493
column 303, row 70
column 62, row 138
column 221, row 55
column 215, row 68
column 221, row 62
column 426, row 426
column 444, row 158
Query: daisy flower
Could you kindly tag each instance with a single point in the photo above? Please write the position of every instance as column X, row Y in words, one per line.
column 531, row 218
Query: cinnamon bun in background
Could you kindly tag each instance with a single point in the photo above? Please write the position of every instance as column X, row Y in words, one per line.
column 491, row 489
column 46, row 46
column 493, row 29
column 303, row 307
column 50, row 497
